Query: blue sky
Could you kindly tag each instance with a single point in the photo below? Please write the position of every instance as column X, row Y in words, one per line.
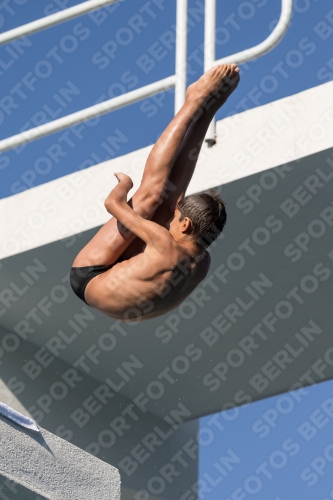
column 96, row 57
column 282, row 448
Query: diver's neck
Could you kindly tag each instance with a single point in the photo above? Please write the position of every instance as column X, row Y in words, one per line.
column 192, row 249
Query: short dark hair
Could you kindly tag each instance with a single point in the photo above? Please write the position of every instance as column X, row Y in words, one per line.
column 207, row 214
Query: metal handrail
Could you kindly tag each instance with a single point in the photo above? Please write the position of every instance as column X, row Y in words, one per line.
column 87, row 114
column 245, row 55
column 53, row 19
column 181, row 53
column 178, row 80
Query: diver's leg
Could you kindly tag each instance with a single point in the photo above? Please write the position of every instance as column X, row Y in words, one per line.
column 187, row 156
column 112, row 239
column 168, row 169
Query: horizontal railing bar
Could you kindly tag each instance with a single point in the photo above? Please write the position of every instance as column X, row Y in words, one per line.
column 53, row 19
column 87, row 113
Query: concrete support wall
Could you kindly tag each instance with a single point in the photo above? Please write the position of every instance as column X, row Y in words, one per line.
column 53, row 468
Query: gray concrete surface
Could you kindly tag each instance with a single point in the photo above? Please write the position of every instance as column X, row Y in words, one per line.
column 52, row 468
column 12, row 490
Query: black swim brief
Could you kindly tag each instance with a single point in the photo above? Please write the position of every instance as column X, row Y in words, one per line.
column 80, row 277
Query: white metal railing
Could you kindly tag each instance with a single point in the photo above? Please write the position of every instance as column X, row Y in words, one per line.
column 87, row 113
column 245, row 55
column 181, row 53
column 178, row 80
column 53, row 19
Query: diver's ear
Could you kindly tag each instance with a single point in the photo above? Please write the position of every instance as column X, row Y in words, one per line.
column 186, row 225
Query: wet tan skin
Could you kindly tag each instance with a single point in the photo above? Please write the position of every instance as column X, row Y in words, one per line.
column 152, row 282
column 160, row 262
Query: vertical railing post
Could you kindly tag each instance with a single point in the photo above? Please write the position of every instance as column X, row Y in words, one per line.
column 209, row 50
column 245, row 55
column 181, row 53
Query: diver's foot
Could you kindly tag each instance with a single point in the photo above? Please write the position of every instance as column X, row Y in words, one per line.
column 214, row 87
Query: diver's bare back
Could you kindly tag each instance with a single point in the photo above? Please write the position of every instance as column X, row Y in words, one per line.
column 149, row 284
